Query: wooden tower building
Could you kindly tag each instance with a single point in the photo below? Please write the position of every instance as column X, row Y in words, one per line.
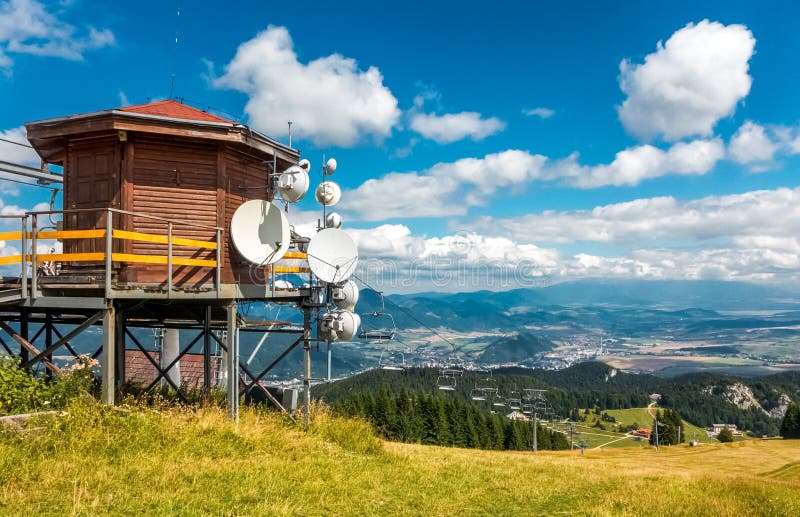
column 148, row 196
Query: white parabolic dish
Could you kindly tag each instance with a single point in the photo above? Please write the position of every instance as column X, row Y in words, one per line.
column 260, row 232
column 332, row 255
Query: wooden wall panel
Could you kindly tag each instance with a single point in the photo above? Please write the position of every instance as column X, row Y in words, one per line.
column 174, row 180
column 92, row 180
column 247, row 177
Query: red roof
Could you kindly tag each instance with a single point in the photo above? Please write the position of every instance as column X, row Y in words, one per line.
column 174, row 109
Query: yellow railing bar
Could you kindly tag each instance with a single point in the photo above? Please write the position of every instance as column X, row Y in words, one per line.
column 162, row 239
column 72, row 234
column 158, row 259
column 295, row 255
column 116, row 257
column 180, row 241
column 10, row 259
column 289, row 269
column 71, row 257
column 137, row 236
column 10, row 236
column 63, row 234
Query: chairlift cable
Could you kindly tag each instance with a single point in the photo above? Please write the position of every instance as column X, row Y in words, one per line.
column 410, row 315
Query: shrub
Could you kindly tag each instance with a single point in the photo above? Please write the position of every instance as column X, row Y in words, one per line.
column 725, row 436
column 22, row 392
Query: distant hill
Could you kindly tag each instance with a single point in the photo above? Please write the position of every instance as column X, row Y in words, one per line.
column 675, row 294
column 696, row 396
column 515, row 349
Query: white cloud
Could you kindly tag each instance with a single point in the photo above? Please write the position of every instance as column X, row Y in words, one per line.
column 634, row 165
column 762, row 214
column 329, row 100
column 696, row 78
column 751, row 145
column 448, row 128
column 395, row 259
column 20, row 154
column 542, row 113
column 27, row 27
column 448, row 189
column 443, row 190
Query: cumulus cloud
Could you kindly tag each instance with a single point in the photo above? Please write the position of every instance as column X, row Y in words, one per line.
column 448, row 128
column 634, row 165
column 20, row 154
column 443, row 190
column 329, row 100
column 452, row 188
column 761, row 213
column 751, row 145
column 28, row 27
column 542, row 113
column 694, row 79
column 396, row 259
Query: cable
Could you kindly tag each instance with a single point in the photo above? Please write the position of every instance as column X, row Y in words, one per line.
column 16, row 143
column 410, row 315
column 28, row 184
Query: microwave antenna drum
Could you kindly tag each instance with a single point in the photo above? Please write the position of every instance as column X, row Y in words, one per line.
column 293, row 184
column 338, row 326
column 330, row 166
column 332, row 255
column 260, row 232
column 333, row 220
column 345, row 296
column 328, row 193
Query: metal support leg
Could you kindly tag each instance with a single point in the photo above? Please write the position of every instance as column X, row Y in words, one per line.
column 24, row 355
column 307, row 368
column 329, row 360
column 119, row 341
column 48, row 338
column 207, row 354
column 232, row 360
column 109, row 355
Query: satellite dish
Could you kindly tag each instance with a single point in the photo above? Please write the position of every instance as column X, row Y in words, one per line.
column 332, row 255
column 339, row 326
column 330, row 166
column 304, row 164
column 293, row 184
column 328, row 193
column 346, row 296
column 333, row 220
column 260, row 232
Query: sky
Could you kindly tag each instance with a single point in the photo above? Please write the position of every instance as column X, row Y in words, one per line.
column 479, row 145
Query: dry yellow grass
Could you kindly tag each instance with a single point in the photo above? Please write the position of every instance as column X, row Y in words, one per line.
column 99, row 461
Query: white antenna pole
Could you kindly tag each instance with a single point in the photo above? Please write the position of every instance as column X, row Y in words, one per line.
column 290, row 133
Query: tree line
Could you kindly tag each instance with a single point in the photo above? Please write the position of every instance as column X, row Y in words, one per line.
column 432, row 419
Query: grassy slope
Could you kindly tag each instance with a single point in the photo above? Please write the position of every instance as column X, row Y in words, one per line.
column 99, row 461
column 595, row 437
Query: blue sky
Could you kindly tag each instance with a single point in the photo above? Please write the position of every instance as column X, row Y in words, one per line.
column 471, row 134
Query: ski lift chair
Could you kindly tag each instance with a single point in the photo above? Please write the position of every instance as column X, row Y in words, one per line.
column 377, row 327
column 477, row 394
column 392, row 360
column 446, row 382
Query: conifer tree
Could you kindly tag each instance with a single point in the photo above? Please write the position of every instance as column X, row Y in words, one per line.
column 790, row 428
